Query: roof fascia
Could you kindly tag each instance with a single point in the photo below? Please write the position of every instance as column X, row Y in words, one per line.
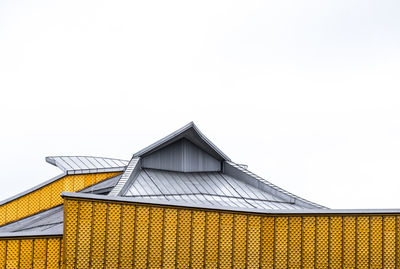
column 30, row 234
column 74, row 195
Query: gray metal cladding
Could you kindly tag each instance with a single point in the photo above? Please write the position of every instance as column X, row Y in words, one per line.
column 203, row 188
column 86, row 164
column 237, row 171
column 182, row 156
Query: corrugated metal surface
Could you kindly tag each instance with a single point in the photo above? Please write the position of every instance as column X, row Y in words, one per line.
column 211, row 188
column 129, row 174
column 87, row 164
column 190, row 132
column 182, row 156
column 243, row 174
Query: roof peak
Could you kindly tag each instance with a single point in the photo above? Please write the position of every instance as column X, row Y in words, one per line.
column 192, row 133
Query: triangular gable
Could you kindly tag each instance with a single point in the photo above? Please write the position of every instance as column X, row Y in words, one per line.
column 191, row 133
column 182, row 156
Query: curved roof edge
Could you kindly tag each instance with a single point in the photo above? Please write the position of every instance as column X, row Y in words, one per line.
column 203, row 142
column 75, row 195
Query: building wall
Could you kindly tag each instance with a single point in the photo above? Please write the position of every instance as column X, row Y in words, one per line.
column 37, row 252
column 48, row 196
column 126, row 235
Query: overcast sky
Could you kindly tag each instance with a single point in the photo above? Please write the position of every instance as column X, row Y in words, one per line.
column 307, row 93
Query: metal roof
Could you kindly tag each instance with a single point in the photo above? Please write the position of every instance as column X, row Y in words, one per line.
column 87, row 164
column 49, row 221
column 185, row 204
column 210, row 188
column 268, row 186
column 192, row 133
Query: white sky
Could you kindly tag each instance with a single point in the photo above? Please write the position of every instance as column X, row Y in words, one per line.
column 304, row 92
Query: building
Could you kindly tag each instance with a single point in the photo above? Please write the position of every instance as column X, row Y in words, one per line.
column 182, row 203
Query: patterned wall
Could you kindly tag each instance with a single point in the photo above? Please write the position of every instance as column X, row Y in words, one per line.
column 48, row 196
column 126, row 235
column 31, row 252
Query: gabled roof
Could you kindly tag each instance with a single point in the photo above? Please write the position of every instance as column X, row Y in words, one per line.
column 191, row 133
column 232, row 185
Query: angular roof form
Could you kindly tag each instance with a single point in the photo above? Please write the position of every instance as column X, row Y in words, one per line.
column 184, row 167
column 190, row 132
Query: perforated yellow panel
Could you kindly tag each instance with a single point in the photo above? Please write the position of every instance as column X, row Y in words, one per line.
column 389, row 242
column 239, row 241
column 308, row 242
column 349, row 242
column 183, row 240
column 253, row 242
column 28, row 253
column 267, row 242
column 48, row 196
column 169, row 242
column 198, row 228
column 112, row 235
column 294, row 250
column 155, row 237
column 130, row 235
column 212, row 239
column 335, row 242
column 376, row 241
column 322, row 242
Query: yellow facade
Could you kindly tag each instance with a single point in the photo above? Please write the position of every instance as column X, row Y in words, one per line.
column 35, row 252
column 48, row 196
column 114, row 234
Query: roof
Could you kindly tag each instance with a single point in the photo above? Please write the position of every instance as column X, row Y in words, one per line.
column 86, row 164
column 203, row 188
column 144, row 201
column 229, row 185
column 193, row 134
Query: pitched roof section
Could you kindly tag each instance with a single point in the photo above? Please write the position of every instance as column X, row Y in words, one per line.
column 203, row 188
column 238, row 171
column 191, row 133
column 87, row 164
